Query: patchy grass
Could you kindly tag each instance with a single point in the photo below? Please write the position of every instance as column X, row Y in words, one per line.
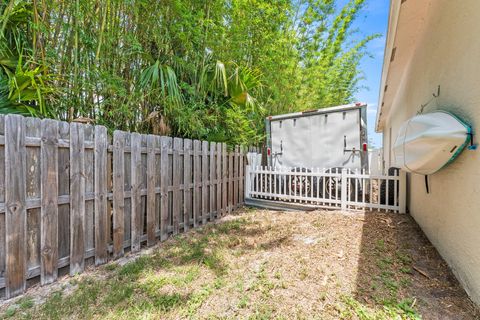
column 264, row 265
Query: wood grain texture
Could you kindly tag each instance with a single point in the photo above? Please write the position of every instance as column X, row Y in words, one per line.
column 177, row 177
column 15, row 209
column 236, row 161
column 219, row 180
column 164, row 217
column 49, row 202
column 136, row 201
column 64, row 190
column 197, row 178
column 158, row 195
column 2, row 200
column 230, row 182
column 89, row 178
column 33, row 129
column 101, row 223
column 241, row 186
column 187, row 180
column 151, row 238
column 118, row 193
column 225, row 179
column 211, row 181
column 61, row 177
column 77, row 198
column 204, row 181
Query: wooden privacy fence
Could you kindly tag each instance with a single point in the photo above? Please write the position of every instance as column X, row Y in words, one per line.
column 70, row 193
column 334, row 188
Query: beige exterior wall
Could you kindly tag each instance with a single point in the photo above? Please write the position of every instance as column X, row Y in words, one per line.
column 447, row 53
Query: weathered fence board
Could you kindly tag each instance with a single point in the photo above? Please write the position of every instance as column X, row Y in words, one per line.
column 2, row 200
column 211, row 188
column 136, row 201
column 64, row 191
column 236, row 162
column 225, row 179
column 89, row 179
column 70, row 196
column 187, row 181
column 230, row 182
column 33, row 191
column 219, row 180
column 241, row 192
column 118, row 193
column 101, row 224
column 177, row 177
column 151, row 145
column 197, row 175
column 15, row 206
column 164, row 220
column 77, row 198
column 204, row 181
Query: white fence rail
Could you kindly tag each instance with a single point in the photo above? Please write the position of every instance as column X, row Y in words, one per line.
column 334, row 188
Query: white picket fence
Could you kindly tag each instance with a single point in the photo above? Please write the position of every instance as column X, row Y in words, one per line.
column 326, row 188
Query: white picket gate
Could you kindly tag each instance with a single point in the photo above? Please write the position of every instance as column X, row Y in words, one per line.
column 326, row 188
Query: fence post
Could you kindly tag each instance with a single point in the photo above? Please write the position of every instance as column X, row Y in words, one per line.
column 402, row 193
column 343, row 194
column 248, row 182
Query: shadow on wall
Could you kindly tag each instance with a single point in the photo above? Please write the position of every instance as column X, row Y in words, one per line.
column 399, row 269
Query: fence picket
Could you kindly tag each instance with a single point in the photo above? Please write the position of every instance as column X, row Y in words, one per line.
column 263, row 185
column 230, row 182
column 15, row 206
column 49, row 202
column 77, row 198
column 164, row 218
column 101, row 224
column 197, row 174
column 33, row 129
column 118, row 193
column 136, row 201
column 219, row 180
column 225, row 179
column 241, row 176
column 176, row 209
column 89, row 180
column 2, row 199
column 204, row 181
column 187, row 180
column 57, row 213
column 151, row 237
column 236, row 162
column 211, row 182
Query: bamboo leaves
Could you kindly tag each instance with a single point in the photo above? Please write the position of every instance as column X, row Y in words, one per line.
column 203, row 70
column 163, row 78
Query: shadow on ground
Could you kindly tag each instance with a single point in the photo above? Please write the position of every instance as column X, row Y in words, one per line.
column 400, row 269
column 263, row 264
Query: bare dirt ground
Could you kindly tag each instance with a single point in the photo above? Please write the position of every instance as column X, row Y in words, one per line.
column 263, row 264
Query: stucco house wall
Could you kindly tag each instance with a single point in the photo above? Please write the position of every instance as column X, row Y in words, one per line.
column 446, row 53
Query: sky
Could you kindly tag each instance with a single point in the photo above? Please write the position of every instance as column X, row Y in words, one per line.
column 373, row 20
